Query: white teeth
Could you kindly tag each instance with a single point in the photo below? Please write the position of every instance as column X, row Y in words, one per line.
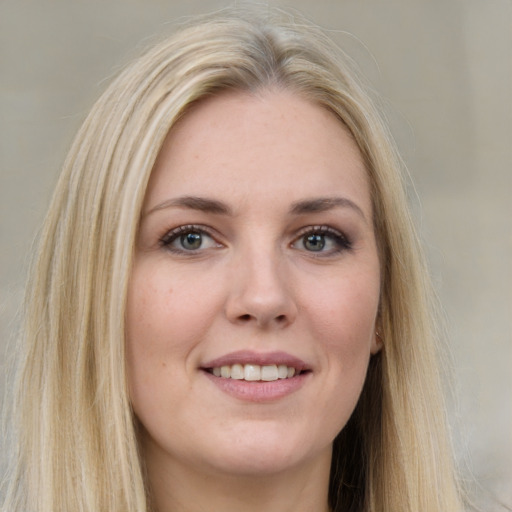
column 252, row 372
column 282, row 371
column 255, row 372
column 269, row 372
column 237, row 372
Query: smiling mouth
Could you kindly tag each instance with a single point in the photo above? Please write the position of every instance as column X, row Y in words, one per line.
column 255, row 372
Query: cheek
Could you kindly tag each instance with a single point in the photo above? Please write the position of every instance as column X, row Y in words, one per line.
column 167, row 317
column 165, row 312
column 343, row 319
column 345, row 311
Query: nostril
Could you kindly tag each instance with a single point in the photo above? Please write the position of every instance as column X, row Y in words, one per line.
column 248, row 317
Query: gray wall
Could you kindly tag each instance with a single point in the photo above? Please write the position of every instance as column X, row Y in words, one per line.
column 444, row 69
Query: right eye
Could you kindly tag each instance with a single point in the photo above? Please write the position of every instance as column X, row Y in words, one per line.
column 189, row 239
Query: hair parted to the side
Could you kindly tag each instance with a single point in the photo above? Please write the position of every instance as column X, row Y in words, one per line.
column 77, row 436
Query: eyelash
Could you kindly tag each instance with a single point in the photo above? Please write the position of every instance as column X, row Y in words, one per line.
column 340, row 240
column 174, row 234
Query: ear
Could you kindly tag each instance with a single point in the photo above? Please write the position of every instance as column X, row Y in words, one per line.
column 377, row 342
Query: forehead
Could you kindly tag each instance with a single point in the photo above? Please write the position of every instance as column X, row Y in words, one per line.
column 275, row 143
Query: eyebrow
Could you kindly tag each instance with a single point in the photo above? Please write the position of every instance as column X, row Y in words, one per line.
column 315, row 205
column 323, row 204
column 194, row 203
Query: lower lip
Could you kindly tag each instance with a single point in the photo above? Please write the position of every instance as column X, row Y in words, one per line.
column 259, row 391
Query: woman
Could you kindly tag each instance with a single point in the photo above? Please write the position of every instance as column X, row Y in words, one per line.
column 228, row 309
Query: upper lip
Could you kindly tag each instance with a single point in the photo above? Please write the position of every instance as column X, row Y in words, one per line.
column 259, row 358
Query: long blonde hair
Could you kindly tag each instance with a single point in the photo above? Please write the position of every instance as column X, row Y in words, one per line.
column 77, row 438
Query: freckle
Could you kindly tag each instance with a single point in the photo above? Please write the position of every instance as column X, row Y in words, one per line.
column 164, row 364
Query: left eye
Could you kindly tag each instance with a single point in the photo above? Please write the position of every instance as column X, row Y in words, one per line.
column 188, row 239
column 314, row 242
column 326, row 240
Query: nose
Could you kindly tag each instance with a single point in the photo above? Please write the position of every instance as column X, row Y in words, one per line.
column 261, row 292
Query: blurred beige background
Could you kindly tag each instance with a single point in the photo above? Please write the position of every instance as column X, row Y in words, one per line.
column 444, row 71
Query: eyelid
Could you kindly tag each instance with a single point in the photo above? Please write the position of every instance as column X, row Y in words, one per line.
column 320, row 228
column 341, row 240
column 173, row 234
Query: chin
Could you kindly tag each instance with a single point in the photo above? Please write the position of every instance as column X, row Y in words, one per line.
column 264, row 451
column 256, row 465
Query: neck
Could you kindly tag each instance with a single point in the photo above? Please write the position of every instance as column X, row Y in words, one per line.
column 179, row 488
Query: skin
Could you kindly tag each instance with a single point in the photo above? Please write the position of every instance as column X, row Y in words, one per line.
column 257, row 284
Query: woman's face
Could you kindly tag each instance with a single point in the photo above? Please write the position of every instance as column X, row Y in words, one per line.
column 255, row 287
